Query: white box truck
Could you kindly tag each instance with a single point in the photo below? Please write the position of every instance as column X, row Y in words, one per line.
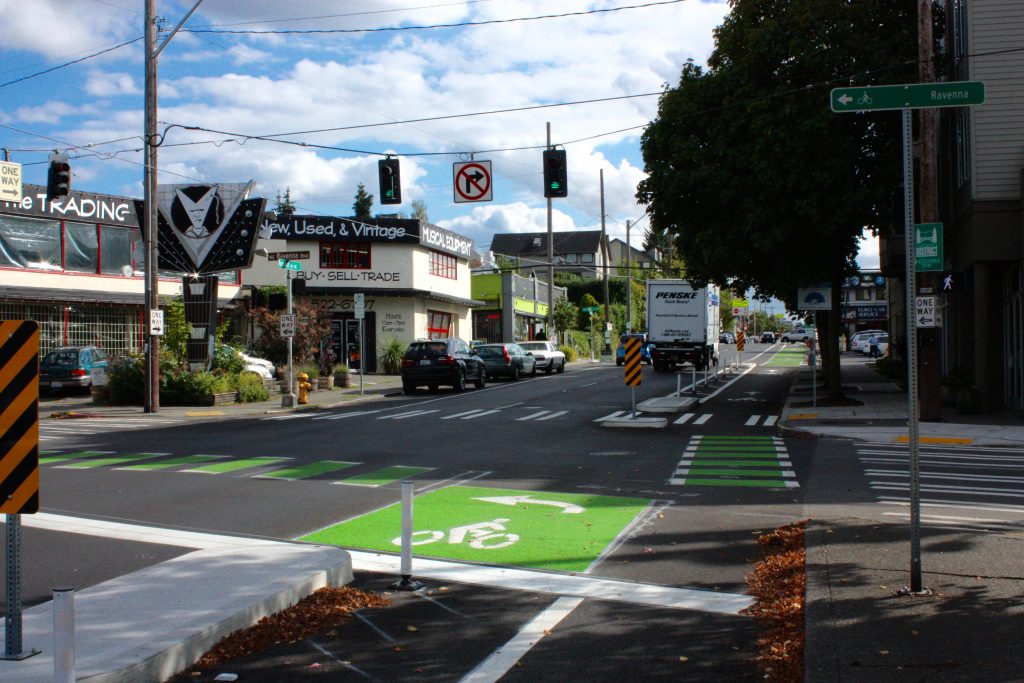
column 682, row 324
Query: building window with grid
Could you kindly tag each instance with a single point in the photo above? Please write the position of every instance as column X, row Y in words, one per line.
column 439, row 324
column 443, row 265
column 345, row 255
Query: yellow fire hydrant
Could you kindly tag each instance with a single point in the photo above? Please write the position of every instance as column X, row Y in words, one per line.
column 304, row 387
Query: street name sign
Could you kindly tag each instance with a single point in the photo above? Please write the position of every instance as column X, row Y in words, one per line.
column 928, row 247
column 907, row 96
column 290, row 265
column 927, row 312
column 591, row 309
column 288, row 255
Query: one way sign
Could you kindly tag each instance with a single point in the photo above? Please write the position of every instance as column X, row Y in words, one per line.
column 928, row 313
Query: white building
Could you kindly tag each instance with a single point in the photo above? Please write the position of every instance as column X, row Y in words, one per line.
column 414, row 277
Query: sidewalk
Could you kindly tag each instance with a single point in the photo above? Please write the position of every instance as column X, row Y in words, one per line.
column 858, row 626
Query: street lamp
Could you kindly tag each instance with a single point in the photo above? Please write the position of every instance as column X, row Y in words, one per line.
column 287, row 397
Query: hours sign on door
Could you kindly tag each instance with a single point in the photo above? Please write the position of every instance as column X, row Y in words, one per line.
column 472, row 181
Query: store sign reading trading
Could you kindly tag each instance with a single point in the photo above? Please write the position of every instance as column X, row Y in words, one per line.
column 91, row 207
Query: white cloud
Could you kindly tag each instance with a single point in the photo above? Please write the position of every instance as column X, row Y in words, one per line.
column 868, row 257
column 109, row 84
column 48, row 112
column 483, row 221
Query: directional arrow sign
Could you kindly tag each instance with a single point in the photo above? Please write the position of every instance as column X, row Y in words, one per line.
column 928, row 313
column 908, row 96
column 569, row 508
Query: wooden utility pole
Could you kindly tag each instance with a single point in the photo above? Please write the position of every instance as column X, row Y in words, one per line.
column 929, row 339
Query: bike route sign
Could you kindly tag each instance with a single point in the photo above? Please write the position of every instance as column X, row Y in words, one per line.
column 907, row 96
column 538, row 529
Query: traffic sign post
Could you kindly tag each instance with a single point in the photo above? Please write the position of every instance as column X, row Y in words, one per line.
column 907, row 96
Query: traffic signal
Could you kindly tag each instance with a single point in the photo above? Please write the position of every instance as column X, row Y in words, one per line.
column 390, row 181
column 556, row 176
column 58, row 180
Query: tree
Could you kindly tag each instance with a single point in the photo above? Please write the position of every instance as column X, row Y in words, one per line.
column 748, row 153
column 312, row 329
column 419, row 210
column 284, row 205
column 362, row 208
column 565, row 316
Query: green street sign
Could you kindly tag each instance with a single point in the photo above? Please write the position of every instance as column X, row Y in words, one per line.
column 591, row 309
column 290, row 265
column 927, row 247
column 907, row 96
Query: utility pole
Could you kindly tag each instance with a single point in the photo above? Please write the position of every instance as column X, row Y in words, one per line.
column 929, row 340
column 551, row 264
column 629, row 282
column 607, row 272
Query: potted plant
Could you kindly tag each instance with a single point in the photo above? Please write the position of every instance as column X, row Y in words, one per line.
column 341, row 376
column 325, row 366
column 391, row 352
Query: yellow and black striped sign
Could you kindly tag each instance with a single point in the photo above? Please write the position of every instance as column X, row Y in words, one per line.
column 19, row 417
column 632, row 356
column 739, row 339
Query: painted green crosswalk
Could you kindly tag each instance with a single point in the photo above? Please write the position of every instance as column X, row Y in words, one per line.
column 263, row 467
column 735, row 461
column 384, row 476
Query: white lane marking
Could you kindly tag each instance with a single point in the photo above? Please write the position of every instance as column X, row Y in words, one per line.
column 617, row 413
column 703, row 418
column 954, row 477
column 413, row 413
column 686, row 417
column 752, row 420
column 342, row 416
column 506, row 656
column 290, row 416
column 481, row 414
column 557, row 413
column 949, row 518
column 554, row 583
column 935, row 502
column 464, row 414
column 770, row 420
column 531, row 416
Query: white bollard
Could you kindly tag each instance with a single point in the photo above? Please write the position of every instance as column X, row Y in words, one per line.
column 64, row 635
column 405, row 568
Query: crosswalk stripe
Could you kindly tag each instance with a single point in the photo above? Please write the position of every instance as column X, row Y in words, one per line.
column 684, row 418
column 404, row 416
column 702, row 419
column 308, row 470
column 342, row 416
column 532, row 416
column 752, row 420
column 614, row 415
column 553, row 415
column 289, row 416
column 236, row 465
column 770, row 420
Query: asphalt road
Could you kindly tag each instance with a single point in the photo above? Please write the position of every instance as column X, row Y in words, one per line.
column 676, row 509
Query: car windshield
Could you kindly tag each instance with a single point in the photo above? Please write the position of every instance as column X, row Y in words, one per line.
column 428, row 349
column 62, row 357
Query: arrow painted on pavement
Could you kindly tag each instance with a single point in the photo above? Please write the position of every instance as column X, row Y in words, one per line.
column 569, row 508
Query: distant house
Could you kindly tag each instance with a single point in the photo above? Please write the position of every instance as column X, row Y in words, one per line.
column 640, row 260
column 581, row 252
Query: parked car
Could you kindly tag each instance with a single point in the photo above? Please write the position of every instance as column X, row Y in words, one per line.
column 726, row 338
column 768, row 338
column 883, row 344
column 798, row 334
column 507, row 360
column 549, row 358
column 434, row 362
column 859, row 340
column 70, row 367
column 261, row 366
column 620, row 352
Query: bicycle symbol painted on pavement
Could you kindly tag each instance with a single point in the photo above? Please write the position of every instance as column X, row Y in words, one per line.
column 482, row 536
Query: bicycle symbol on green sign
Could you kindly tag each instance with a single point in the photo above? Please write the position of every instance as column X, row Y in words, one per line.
column 865, row 99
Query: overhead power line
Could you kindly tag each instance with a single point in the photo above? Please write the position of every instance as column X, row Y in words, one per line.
column 73, row 61
column 460, row 24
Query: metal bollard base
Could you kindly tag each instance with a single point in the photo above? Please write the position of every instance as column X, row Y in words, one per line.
column 407, row 584
column 20, row 655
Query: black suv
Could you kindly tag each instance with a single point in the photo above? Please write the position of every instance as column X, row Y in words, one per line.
column 441, row 361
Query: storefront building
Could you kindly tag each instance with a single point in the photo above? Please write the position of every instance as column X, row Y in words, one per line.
column 865, row 304
column 515, row 308
column 75, row 265
column 414, row 278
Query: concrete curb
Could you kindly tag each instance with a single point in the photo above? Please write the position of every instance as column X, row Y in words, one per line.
column 819, row 620
column 155, row 622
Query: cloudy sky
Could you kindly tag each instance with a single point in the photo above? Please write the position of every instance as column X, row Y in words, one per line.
column 339, row 84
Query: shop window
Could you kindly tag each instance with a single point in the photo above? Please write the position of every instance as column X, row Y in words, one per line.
column 443, row 265
column 439, row 324
column 81, row 248
column 29, row 243
column 345, row 255
column 119, row 249
column 863, row 294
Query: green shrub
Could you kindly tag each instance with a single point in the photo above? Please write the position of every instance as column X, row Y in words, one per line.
column 126, row 381
column 250, row 388
column 391, row 352
column 184, row 388
column 569, row 351
column 228, row 359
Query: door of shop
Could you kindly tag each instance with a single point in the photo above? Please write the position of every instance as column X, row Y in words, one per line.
column 345, row 340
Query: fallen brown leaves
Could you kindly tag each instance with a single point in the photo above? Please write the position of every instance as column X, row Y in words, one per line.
column 322, row 609
column 778, row 585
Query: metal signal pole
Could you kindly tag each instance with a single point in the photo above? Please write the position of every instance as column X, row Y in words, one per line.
column 551, row 263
